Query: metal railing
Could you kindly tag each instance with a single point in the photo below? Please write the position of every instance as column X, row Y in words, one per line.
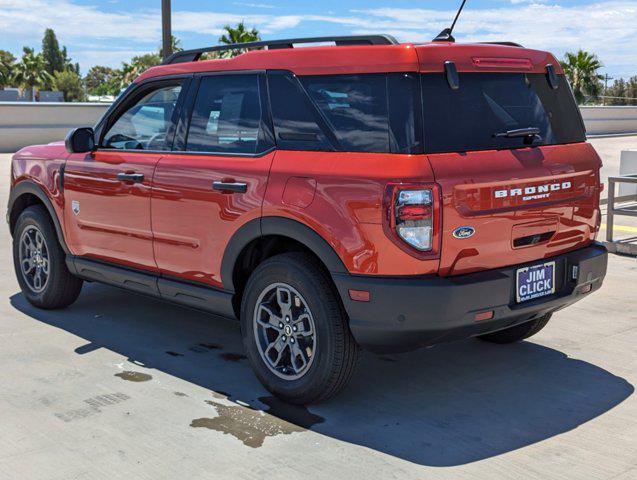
column 611, row 210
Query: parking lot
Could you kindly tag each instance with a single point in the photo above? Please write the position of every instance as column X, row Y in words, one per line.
column 122, row 386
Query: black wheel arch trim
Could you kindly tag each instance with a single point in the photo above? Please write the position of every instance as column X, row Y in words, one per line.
column 30, row 187
column 285, row 227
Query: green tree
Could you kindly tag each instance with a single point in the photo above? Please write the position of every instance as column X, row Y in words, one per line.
column 6, row 65
column 100, row 80
column 238, row 34
column 68, row 62
column 137, row 66
column 54, row 58
column 623, row 92
column 30, row 73
column 175, row 46
column 631, row 91
column 143, row 62
column 70, row 84
column 617, row 93
column 582, row 69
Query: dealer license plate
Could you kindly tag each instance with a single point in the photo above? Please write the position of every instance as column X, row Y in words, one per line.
column 535, row 282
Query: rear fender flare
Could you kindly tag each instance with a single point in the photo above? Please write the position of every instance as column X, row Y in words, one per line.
column 284, row 227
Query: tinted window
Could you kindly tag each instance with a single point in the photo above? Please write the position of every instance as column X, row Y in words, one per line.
column 296, row 122
column 227, row 115
column 405, row 115
column 355, row 109
column 487, row 104
column 144, row 125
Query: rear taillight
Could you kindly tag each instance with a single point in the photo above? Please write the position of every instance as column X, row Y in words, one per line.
column 412, row 218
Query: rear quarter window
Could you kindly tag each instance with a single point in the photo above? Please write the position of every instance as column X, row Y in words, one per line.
column 375, row 113
column 296, row 122
column 355, row 108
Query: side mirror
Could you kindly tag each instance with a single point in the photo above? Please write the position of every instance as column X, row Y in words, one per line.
column 80, row 140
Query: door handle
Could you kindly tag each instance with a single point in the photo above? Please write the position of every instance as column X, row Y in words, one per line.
column 130, row 177
column 230, row 187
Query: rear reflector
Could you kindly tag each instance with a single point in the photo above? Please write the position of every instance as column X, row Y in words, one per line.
column 484, row 316
column 586, row 288
column 359, row 295
column 414, row 212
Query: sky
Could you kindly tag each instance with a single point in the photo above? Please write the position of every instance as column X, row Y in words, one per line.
column 107, row 32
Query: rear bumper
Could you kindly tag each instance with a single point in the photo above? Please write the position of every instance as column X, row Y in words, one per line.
column 405, row 313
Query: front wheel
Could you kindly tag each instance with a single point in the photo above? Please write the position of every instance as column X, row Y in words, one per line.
column 517, row 333
column 295, row 330
column 40, row 262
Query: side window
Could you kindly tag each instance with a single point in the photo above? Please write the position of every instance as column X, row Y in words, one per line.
column 227, row 116
column 294, row 116
column 405, row 113
column 145, row 124
column 355, row 107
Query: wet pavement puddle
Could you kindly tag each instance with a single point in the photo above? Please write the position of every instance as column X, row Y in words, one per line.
column 134, row 376
column 251, row 426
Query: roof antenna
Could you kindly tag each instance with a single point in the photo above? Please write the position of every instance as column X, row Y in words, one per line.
column 445, row 35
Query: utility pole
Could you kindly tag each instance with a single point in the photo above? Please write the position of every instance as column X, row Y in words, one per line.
column 606, row 79
column 166, row 33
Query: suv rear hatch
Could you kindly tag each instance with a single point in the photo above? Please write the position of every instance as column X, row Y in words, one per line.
column 506, row 143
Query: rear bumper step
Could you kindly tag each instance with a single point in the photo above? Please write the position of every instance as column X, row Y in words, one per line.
column 405, row 313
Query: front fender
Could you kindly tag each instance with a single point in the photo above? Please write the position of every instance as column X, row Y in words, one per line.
column 30, row 187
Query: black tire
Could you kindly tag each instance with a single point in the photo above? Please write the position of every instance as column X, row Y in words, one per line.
column 336, row 353
column 61, row 288
column 517, row 333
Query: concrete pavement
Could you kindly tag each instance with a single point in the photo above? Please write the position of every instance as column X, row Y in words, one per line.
column 120, row 386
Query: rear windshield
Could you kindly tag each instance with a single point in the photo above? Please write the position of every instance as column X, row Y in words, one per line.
column 487, row 104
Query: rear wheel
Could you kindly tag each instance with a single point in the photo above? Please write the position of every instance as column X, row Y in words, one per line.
column 39, row 262
column 517, row 333
column 295, row 330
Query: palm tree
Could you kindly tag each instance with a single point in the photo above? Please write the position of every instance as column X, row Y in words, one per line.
column 175, row 46
column 138, row 65
column 238, row 34
column 581, row 70
column 30, row 73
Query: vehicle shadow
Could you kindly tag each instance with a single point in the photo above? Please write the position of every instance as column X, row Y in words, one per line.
column 446, row 406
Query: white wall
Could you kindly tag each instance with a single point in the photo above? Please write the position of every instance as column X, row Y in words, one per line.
column 29, row 123
column 23, row 123
column 610, row 120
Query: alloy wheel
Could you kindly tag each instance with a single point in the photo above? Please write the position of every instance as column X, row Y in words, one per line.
column 34, row 259
column 285, row 331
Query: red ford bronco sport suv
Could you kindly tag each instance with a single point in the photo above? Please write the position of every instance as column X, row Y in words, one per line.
column 366, row 194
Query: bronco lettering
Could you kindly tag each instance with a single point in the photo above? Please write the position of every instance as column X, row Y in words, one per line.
column 531, row 193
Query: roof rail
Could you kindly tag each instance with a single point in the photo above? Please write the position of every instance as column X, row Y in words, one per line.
column 195, row 54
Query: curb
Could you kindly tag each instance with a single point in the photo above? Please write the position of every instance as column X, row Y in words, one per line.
column 621, row 248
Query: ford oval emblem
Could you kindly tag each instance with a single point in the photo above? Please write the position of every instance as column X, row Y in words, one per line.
column 464, row 232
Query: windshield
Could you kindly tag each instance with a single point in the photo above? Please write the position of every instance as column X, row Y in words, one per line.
column 487, row 106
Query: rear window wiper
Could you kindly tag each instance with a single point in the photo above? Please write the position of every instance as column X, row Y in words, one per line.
column 530, row 134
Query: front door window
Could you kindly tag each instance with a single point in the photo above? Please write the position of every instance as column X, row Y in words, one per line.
column 144, row 125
